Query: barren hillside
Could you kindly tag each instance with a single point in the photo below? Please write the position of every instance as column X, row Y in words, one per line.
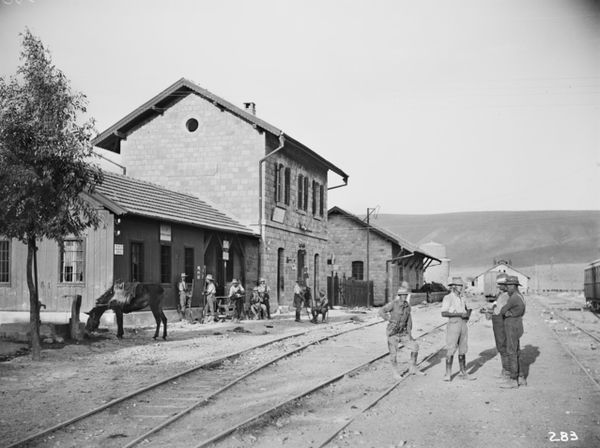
column 526, row 238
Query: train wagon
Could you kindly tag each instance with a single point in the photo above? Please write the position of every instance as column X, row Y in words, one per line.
column 591, row 285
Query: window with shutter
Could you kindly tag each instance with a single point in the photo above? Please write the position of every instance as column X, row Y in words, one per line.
column 287, row 176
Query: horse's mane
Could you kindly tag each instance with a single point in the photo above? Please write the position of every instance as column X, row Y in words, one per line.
column 104, row 298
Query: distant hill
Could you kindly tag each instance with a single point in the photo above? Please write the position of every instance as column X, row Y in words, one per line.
column 526, row 238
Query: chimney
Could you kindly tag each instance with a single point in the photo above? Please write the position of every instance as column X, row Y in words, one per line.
column 250, row 107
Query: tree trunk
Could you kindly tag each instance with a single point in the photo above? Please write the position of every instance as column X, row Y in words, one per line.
column 34, row 307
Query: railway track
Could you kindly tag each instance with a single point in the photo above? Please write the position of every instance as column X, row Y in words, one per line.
column 582, row 350
column 319, row 415
column 158, row 403
column 281, row 397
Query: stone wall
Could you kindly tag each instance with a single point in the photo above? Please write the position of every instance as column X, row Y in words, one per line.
column 348, row 242
column 217, row 162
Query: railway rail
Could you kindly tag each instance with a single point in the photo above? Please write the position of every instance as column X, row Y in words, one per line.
column 177, row 389
column 353, row 403
column 279, row 404
column 577, row 349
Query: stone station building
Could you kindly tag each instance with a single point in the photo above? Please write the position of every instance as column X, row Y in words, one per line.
column 192, row 141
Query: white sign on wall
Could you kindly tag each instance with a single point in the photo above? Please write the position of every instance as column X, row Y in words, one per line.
column 278, row 215
column 165, row 232
column 118, row 249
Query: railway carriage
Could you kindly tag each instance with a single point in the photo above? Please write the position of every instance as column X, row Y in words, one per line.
column 591, row 285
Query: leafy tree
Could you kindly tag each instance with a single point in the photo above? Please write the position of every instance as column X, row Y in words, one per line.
column 43, row 168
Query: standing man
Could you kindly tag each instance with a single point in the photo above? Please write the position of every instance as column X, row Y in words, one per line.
column 399, row 330
column 454, row 307
column 513, row 312
column 498, row 322
column 184, row 298
column 264, row 295
column 298, row 299
column 237, row 295
column 210, row 310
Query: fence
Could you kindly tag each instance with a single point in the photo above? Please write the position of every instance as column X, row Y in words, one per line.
column 349, row 292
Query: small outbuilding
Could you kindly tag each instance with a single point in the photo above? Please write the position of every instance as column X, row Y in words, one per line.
column 362, row 251
column 485, row 283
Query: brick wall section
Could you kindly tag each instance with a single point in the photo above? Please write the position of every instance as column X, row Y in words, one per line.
column 348, row 242
column 218, row 162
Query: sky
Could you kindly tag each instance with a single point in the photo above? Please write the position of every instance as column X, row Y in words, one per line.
column 429, row 106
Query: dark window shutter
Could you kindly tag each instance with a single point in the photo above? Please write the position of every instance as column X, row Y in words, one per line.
column 287, row 186
column 305, row 204
column 300, row 193
column 321, row 199
column 276, row 182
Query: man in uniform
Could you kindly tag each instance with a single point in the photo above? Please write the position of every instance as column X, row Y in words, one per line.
column 184, row 298
column 513, row 312
column 237, row 295
column 264, row 295
column 299, row 292
column 210, row 310
column 321, row 306
column 498, row 322
column 454, row 307
column 397, row 313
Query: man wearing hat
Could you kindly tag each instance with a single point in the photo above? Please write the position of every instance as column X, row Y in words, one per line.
column 264, row 295
column 498, row 322
column 184, row 298
column 454, row 307
column 513, row 312
column 210, row 291
column 397, row 313
column 237, row 294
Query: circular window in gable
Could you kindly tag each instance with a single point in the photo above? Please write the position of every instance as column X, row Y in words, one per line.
column 191, row 124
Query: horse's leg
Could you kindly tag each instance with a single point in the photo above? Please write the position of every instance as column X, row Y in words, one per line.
column 119, row 315
column 157, row 318
column 164, row 321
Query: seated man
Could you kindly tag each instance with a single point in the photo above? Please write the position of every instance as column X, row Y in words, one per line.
column 257, row 307
column 321, row 307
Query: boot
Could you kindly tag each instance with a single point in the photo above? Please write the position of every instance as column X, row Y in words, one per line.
column 414, row 370
column 521, row 381
column 448, row 376
column 395, row 372
column 509, row 383
column 462, row 363
column 503, row 373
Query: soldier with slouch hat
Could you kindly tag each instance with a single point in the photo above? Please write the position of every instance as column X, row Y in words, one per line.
column 399, row 329
column 498, row 322
column 455, row 308
column 512, row 313
column 210, row 291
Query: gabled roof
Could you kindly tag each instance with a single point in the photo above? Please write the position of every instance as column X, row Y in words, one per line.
column 501, row 264
column 110, row 139
column 384, row 233
column 125, row 195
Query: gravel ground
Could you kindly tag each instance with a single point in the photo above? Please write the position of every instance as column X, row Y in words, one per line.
column 73, row 378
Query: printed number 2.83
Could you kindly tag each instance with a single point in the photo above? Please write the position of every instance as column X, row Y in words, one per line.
column 563, row 436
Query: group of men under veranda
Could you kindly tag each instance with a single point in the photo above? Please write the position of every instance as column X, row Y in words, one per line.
column 257, row 307
column 506, row 313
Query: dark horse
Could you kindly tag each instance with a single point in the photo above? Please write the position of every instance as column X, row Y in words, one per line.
column 125, row 298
